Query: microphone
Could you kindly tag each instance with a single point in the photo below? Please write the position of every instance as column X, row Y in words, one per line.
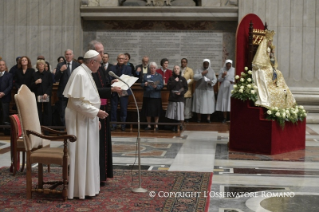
column 112, row 74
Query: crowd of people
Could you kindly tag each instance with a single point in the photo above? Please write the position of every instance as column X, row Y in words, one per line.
column 183, row 100
column 85, row 91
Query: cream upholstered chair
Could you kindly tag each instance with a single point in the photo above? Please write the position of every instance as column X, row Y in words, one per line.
column 17, row 145
column 34, row 139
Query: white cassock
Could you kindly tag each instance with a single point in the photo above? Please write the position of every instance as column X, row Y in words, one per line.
column 81, row 120
column 224, row 92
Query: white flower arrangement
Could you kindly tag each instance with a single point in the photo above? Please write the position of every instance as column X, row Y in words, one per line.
column 245, row 88
column 293, row 114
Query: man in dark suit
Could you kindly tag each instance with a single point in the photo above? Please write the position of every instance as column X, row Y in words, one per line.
column 62, row 74
column 119, row 69
column 142, row 69
column 106, row 65
column 5, row 92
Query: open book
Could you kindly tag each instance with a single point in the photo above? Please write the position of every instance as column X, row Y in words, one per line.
column 41, row 99
column 178, row 91
column 126, row 78
column 151, row 83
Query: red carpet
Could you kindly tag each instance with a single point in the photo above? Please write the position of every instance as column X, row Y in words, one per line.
column 115, row 196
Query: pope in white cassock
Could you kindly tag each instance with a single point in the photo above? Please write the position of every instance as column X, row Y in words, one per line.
column 82, row 120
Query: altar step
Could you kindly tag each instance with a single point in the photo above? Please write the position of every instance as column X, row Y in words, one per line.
column 309, row 98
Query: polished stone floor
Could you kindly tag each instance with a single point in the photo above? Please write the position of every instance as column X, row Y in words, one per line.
column 287, row 182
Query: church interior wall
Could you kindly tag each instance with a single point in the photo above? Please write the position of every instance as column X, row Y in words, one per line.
column 39, row 27
column 296, row 24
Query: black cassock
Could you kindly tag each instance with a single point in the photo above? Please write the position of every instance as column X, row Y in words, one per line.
column 103, row 85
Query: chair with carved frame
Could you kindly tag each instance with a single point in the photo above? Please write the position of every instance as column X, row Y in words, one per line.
column 33, row 138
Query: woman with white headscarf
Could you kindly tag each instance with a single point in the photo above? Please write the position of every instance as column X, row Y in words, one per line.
column 203, row 98
column 226, row 78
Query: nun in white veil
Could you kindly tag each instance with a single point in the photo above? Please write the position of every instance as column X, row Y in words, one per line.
column 204, row 98
column 226, row 78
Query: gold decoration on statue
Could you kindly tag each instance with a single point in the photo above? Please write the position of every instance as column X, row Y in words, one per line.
column 269, row 34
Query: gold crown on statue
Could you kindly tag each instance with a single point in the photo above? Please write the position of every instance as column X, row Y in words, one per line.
column 269, row 34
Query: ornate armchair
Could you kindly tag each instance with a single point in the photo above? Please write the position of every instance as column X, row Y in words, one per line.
column 34, row 141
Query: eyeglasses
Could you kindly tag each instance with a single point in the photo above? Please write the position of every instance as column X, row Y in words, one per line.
column 121, row 58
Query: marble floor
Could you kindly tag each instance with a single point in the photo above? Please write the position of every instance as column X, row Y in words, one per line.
column 242, row 182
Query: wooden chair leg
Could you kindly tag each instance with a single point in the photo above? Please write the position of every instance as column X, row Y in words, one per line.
column 23, row 161
column 29, row 177
column 65, row 171
column 14, row 161
column 40, row 175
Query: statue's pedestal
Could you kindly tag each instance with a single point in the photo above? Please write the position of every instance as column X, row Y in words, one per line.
column 251, row 132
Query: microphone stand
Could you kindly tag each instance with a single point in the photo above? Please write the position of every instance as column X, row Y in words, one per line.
column 139, row 189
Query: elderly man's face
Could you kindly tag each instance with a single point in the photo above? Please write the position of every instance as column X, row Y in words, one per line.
column 96, row 64
column 68, row 56
column 100, row 49
column 145, row 61
column 2, row 66
column 121, row 59
column 228, row 66
column 205, row 65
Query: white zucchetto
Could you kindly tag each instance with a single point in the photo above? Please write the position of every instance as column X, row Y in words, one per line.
column 90, row 54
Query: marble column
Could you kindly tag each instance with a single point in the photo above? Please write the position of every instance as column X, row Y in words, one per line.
column 39, row 27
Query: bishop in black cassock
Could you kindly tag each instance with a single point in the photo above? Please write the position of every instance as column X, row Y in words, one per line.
column 103, row 84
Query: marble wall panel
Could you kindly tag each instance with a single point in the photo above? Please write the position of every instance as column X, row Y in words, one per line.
column 1, row 26
column 282, row 52
column 9, row 32
column 295, row 53
column 33, row 12
column 44, row 44
column 9, row 54
column 296, row 8
column 33, row 50
column 284, row 13
column 260, row 8
column 317, row 54
column 33, row 27
column 44, row 12
column 21, row 15
column 308, row 53
column 309, row 13
column 271, row 13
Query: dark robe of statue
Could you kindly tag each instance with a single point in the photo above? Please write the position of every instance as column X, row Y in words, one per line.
column 103, row 85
